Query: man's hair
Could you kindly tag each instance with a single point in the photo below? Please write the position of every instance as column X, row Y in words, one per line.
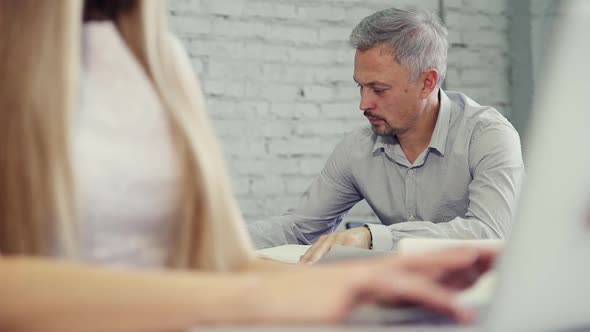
column 417, row 38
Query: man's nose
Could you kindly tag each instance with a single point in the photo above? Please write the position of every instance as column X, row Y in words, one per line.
column 367, row 103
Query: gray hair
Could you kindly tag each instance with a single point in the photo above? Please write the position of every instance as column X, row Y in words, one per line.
column 418, row 39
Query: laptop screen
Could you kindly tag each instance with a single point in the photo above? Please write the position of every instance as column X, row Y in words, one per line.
column 544, row 275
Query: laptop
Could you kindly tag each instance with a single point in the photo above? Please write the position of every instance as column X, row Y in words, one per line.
column 543, row 275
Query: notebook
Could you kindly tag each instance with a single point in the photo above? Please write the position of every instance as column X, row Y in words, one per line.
column 289, row 253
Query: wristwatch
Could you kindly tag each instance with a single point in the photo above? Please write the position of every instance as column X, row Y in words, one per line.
column 371, row 235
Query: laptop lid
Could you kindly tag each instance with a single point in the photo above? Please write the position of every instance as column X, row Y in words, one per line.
column 544, row 273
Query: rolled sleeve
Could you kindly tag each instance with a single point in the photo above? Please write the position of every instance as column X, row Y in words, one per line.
column 382, row 238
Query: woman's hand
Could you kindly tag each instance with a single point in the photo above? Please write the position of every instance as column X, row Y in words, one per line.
column 328, row 293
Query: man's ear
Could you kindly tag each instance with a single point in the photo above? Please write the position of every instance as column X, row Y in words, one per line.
column 429, row 80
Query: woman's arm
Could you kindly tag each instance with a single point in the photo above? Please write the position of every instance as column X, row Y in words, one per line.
column 39, row 295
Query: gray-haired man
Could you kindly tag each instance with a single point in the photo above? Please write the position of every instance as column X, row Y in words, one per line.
column 431, row 164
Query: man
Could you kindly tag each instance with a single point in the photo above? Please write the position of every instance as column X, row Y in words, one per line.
column 431, row 164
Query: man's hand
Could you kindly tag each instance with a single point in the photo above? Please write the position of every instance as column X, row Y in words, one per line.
column 358, row 237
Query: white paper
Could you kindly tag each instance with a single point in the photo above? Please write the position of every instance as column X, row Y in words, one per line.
column 289, row 253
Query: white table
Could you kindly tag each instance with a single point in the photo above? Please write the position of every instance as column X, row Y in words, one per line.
column 368, row 319
column 343, row 328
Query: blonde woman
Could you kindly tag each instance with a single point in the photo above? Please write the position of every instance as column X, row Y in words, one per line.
column 115, row 210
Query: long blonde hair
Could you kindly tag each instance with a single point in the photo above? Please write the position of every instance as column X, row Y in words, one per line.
column 39, row 67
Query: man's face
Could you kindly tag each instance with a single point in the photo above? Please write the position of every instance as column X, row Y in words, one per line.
column 389, row 100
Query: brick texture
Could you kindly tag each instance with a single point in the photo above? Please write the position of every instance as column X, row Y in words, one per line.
column 545, row 16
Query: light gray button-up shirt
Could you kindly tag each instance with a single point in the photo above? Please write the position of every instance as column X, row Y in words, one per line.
column 463, row 186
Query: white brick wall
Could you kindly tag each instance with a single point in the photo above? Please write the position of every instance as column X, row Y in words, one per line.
column 278, row 80
column 479, row 52
column 545, row 15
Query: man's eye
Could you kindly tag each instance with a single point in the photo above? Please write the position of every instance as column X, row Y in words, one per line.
column 378, row 91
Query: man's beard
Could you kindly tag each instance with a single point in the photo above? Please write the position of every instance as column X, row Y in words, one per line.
column 385, row 130
column 381, row 130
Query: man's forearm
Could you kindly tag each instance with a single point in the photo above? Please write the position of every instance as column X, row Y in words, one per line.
column 273, row 232
column 387, row 237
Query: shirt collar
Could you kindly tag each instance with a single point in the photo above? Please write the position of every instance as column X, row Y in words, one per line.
column 438, row 141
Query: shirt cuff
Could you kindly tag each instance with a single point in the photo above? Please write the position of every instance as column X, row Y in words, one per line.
column 382, row 239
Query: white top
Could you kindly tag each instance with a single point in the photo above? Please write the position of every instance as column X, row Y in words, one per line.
column 124, row 162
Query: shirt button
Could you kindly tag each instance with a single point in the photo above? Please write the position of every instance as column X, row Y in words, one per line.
column 410, row 172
